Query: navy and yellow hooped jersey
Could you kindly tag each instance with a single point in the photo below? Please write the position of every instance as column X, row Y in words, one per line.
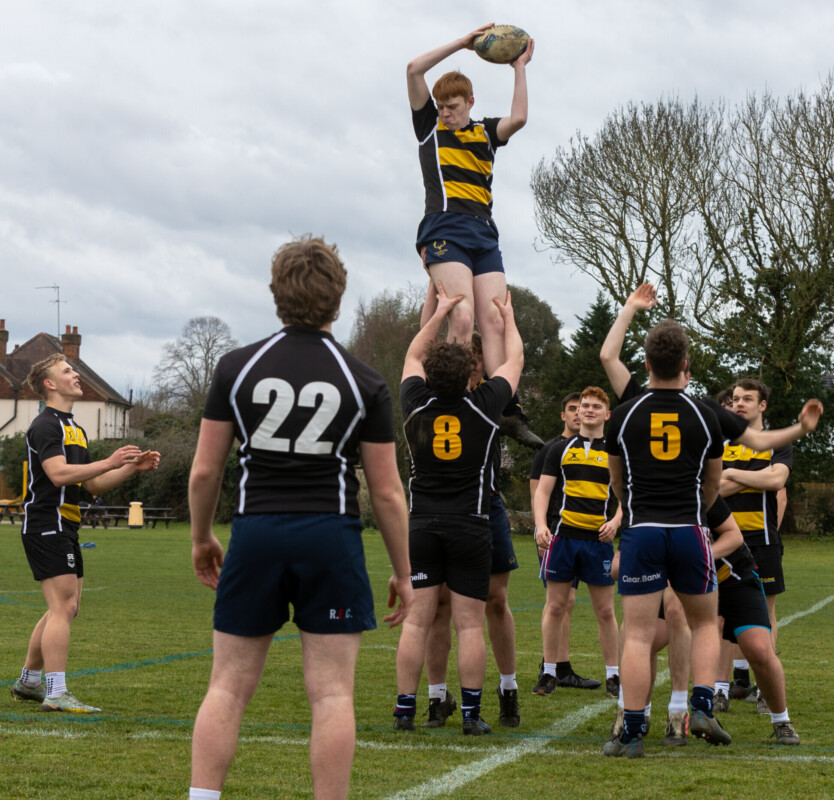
column 49, row 507
column 580, row 467
column 754, row 510
column 450, row 444
column 456, row 165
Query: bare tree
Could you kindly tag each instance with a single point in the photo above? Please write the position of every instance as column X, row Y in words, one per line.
column 620, row 206
column 731, row 214
column 183, row 375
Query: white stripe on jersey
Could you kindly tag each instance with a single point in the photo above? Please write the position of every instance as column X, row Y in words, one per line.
column 360, row 414
column 232, row 402
column 408, row 445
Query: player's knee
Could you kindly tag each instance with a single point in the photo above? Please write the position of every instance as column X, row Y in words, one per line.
column 461, row 323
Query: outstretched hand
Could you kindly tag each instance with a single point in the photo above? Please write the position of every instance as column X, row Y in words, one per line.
column 810, row 415
column 445, row 303
column 146, row 461
column 525, row 56
column 469, row 39
column 643, row 297
column 506, row 308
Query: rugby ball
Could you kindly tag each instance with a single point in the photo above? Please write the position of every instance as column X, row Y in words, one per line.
column 501, row 44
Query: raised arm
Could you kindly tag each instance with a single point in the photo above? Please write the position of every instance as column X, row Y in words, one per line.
column 418, row 90
column 773, row 440
column 641, row 299
column 427, row 334
column 518, row 108
column 510, row 370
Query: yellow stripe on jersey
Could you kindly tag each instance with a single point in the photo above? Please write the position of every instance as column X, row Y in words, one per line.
column 749, row 520
column 74, row 436
column 739, row 452
column 476, row 134
column 467, row 191
column 451, row 157
column 70, row 512
column 577, row 520
column 587, row 489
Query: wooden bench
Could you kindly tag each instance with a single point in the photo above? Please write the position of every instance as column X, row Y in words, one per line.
column 103, row 515
column 154, row 515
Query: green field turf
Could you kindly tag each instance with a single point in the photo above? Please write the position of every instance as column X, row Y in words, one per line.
column 141, row 651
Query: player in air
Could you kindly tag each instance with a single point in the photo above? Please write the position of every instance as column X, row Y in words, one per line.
column 457, row 237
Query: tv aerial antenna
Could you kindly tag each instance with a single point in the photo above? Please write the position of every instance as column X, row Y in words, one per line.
column 57, row 289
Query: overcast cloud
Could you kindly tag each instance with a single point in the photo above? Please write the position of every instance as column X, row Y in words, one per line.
column 154, row 155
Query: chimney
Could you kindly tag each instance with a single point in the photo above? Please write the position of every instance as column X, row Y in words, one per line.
column 4, row 340
column 71, row 342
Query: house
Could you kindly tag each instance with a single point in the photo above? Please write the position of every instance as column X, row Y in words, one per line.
column 102, row 411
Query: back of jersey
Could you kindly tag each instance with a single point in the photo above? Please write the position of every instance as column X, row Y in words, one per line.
column 300, row 405
column 451, row 445
column 664, row 439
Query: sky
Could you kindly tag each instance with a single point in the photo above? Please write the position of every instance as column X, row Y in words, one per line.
column 154, row 155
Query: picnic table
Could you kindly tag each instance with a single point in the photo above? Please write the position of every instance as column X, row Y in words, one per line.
column 95, row 515
column 11, row 510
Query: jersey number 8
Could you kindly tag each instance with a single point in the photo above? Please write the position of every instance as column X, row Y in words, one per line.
column 447, row 444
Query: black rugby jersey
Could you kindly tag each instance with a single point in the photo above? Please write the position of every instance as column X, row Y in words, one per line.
column 732, row 425
column 450, row 444
column 582, row 487
column 456, row 165
column 300, row 404
column 755, row 510
column 738, row 565
column 48, row 507
column 664, row 438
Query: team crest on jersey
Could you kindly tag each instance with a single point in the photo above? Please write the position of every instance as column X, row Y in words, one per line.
column 71, row 560
column 74, row 436
column 573, row 456
column 440, row 249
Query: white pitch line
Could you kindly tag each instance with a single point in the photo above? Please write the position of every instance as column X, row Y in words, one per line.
column 799, row 614
column 460, row 776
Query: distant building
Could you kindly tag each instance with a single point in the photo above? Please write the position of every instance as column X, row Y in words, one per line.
column 102, row 411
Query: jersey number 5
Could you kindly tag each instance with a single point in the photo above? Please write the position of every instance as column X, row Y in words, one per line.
column 665, row 437
column 283, row 403
column 447, row 444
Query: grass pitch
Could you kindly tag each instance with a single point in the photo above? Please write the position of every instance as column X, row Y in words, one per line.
column 141, row 649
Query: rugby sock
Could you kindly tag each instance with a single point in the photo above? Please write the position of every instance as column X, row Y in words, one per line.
column 56, row 683
column 470, row 703
column 647, row 711
column 437, row 691
column 677, row 702
column 783, row 717
column 550, row 669
column 508, row 682
column 722, row 686
column 634, row 725
column 406, row 705
column 701, row 699
column 203, row 794
column 741, row 672
column 612, row 672
column 30, row 677
column 563, row 669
